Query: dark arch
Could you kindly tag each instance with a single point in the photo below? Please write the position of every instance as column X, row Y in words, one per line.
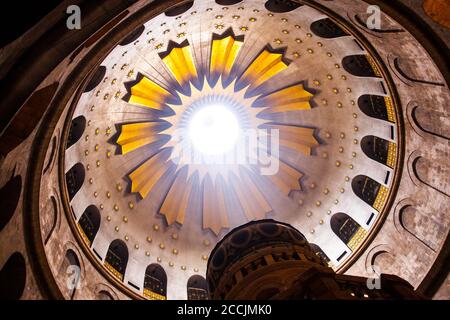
column 117, row 258
column 197, row 288
column 374, row 106
column 13, row 277
column 72, row 275
column 96, row 78
column 90, row 223
column 75, row 179
column 50, row 224
column 344, row 226
column 155, row 282
column 318, row 251
column 326, row 28
column 376, row 148
column 281, row 6
column 176, row 11
column 427, row 170
column 359, row 65
column 227, row 2
column 77, row 128
column 133, row 36
column 427, row 119
column 366, row 188
column 9, row 198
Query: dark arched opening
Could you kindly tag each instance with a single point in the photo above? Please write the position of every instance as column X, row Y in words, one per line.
column 155, row 282
column 117, row 258
column 197, row 288
column 75, row 179
column 90, row 223
column 359, row 65
column 326, row 28
column 77, row 128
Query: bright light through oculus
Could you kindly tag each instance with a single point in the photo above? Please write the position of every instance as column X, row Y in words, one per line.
column 213, row 130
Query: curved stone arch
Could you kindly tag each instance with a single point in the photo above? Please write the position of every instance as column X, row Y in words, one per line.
column 101, row 288
column 402, row 220
column 399, row 224
column 72, row 246
column 416, row 166
column 52, row 155
column 371, row 257
column 54, row 215
column 409, row 166
column 394, row 63
column 395, row 214
column 411, row 112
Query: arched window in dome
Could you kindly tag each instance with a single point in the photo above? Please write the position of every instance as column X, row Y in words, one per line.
column 347, row 229
column 117, row 258
column 9, row 198
column 75, row 179
column 97, row 77
column 70, row 271
column 197, row 288
column 379, row 149
column 177, row 10
column 155, row 282
column 360, row 66
column 133, row 36
column 378, row 107
column 326, row 28
column 370, row 191
column 318, row 251
column 227, row 2
column 77, row 128
column 89, row 223
column 13, row 277
column 281, row 6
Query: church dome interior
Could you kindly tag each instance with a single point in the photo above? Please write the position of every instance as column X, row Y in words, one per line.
column 135, row 143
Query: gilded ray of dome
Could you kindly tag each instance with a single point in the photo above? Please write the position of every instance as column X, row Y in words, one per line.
column 239, row 93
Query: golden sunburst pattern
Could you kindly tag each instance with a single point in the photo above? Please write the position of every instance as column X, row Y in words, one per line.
column 220, row 81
